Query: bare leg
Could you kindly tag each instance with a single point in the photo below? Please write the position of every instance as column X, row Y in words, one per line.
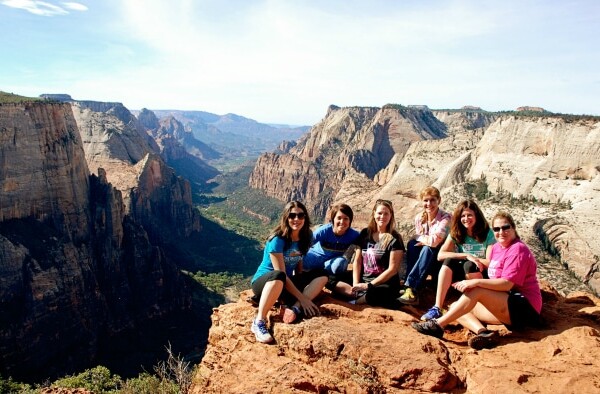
column 314, row 288
column 494, row 308
column 269, row 296
column 343, row 288
column 473, row 320
column 444, row 282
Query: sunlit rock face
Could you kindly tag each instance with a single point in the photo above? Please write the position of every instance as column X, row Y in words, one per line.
column 73, row 261
column 544, row 169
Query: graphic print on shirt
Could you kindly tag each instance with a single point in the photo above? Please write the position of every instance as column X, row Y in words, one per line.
column 477, row 250
column 291, row 258
column 371, row 257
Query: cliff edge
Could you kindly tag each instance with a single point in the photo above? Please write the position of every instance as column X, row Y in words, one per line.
column 361, row 349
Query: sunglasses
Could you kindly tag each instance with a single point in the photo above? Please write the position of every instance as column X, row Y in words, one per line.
column 506, row 227
column 380, row 201
column 294, row 215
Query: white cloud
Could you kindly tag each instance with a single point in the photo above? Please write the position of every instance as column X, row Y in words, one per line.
column 74, row 6
column 44, row 8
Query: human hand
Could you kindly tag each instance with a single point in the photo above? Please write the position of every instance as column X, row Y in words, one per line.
column 359, row 287
column 309, row 308
column 464, row 285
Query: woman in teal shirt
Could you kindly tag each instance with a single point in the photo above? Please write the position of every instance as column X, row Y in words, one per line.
column 465, row 252
column 280, row 275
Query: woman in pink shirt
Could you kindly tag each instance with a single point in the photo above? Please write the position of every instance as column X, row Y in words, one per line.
column 511, row 296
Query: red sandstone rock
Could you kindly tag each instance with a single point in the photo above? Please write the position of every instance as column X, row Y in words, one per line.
column 351, row 349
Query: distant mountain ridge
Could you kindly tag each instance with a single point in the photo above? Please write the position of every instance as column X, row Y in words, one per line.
column 233, row 134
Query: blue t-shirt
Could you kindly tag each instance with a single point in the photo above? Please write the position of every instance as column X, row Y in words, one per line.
column 327, row 245
column 291, row 257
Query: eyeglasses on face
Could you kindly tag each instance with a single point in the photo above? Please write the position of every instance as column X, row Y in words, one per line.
column 294, row 215
column 506, row 227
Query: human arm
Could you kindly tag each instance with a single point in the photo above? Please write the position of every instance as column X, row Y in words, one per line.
column 357, row 284
column 396, row 257
column 437, row 232
column 307, row 305
column 499, row 284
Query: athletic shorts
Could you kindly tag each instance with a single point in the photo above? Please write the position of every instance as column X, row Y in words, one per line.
column 300, row 280
column 462, row 267
column 521, row 312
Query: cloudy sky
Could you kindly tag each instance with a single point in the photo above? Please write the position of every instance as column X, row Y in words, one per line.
column 285, row 61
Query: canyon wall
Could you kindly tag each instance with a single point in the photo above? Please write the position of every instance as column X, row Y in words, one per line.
column 542, row 168
column 82, row 259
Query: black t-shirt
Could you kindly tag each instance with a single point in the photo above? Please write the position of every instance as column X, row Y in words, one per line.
column 376, row 255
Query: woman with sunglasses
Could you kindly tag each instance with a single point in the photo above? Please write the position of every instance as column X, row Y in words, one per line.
column 511, row 296
column 280, row 275
column 465, row 252
column 431, row 228
column 374, row 277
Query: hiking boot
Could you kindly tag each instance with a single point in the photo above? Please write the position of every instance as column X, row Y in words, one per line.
column 429, row 327
column 409, row 297
column 433, row 313
column 259, row 328
column 486, row 339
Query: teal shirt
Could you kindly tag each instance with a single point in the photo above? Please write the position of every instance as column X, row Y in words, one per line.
column 474, row 247
column 291, row 257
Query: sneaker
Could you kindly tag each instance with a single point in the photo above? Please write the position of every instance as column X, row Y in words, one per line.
column 429, row 327
column 433, row 313
column 484, row 340
column 409, row 297
column 259, row 328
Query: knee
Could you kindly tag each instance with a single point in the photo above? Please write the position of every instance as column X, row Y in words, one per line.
column 279, row 276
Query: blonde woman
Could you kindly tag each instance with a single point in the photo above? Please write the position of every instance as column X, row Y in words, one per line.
column 374, row 277
column 431, row 228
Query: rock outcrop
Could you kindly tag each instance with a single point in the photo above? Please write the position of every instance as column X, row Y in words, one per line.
column 353, row 349
column 79, row 264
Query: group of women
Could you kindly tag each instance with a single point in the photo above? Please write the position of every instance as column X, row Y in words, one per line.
column 492, row 268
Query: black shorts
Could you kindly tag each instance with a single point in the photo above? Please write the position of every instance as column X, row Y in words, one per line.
column 460, row 268
column 521, row 312
column 300, row 280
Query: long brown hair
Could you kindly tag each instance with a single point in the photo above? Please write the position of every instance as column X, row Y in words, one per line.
column 429, row 191
column 391, row 227
column 458, row 232
column 284, row 230
column 506, row 216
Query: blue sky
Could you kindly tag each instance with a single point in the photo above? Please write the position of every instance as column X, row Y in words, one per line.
column 285, row 61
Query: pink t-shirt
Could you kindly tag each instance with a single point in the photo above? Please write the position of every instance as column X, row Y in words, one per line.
column 517, row 264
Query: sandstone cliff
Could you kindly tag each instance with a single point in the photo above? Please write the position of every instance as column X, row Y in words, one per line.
column 543, row 169
column 353, row 349
column 348, row 140
column 76, row 269
column 114, row 140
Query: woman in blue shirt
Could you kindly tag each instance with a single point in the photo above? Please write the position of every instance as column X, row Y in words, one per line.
column 280, row 275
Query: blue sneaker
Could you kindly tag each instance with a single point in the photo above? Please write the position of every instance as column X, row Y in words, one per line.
column 259, row 328
column 433, row 313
